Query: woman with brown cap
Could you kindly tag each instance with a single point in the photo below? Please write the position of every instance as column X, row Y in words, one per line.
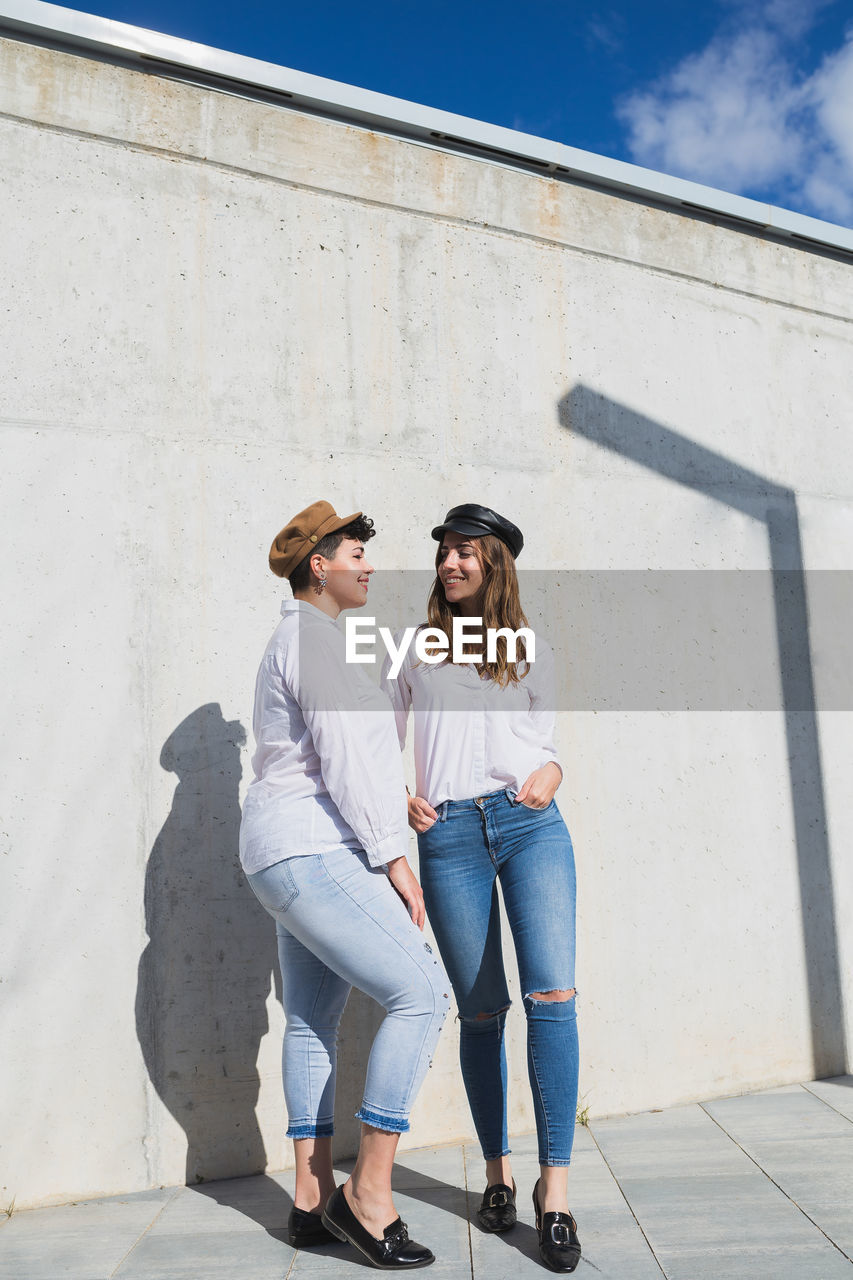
column 322, row 840
column 485, row 814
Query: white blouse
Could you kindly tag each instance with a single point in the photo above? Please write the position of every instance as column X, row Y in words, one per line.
column 472, row 736
column 328, row 773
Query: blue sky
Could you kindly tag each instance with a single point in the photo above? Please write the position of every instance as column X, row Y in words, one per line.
column 753, row 96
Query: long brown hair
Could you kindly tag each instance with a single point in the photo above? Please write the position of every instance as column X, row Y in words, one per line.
column 500, row 606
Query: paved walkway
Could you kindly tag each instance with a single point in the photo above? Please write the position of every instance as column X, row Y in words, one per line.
column 758, row 1187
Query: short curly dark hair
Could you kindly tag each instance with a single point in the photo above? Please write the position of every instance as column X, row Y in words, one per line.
column 361, row 529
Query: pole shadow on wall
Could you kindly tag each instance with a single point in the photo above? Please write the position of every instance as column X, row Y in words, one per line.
column 205, row 975
column 616, row 427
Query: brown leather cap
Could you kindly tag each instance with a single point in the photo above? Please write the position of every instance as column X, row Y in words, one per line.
column 301, row 534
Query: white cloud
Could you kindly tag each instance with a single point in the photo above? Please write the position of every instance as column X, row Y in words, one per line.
column 832, row 92
column 790, row 17
column 607, row 34
column 740, row 115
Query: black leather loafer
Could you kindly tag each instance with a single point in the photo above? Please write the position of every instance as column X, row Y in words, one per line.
column 306, row 1228
column 559, row 1247
column 497, row 1212
column 394, row 1252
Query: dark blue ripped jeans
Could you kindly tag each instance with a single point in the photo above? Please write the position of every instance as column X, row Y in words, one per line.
column 473, row 845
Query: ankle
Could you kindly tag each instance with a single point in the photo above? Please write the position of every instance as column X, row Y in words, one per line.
column 368, row 1190
column 374, row 1207
column 499, row 1172
column 313, row 1198
column 552, row 1190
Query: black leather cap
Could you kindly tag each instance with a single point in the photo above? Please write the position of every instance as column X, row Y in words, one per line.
column 475, row 520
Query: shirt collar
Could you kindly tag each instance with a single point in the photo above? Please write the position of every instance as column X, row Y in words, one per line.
column 305, row 606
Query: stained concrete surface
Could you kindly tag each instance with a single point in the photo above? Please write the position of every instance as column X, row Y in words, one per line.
column 758, row 1186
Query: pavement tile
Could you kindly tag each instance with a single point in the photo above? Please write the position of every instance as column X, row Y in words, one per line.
column 837, row 1093
column 671, row 1143
column 719, row 1216
column 81, row 1241
column 327, row 1262
column 766, row 1263
column 777, row 1115
column 233, row 1204
column 716, row 1212
column 250, row 1253
column 805, row 1146
column 423, row 1166
column 230, row 1228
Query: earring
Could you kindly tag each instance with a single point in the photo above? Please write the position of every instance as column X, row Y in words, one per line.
column 319, row 587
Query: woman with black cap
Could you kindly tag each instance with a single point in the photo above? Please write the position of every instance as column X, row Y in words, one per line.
column 485, row 813
column 323, row 840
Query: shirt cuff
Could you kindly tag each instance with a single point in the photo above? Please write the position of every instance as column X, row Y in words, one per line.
column 383, row 851
column 553, row 760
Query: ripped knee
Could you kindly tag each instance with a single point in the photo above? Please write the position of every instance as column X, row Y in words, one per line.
column 556, row 996
column 484, row 1017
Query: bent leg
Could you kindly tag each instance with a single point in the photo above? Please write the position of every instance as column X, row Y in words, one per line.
column 349, row 917
column 313, row 996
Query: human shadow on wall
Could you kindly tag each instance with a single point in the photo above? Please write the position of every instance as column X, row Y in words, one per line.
column 204, row 977
column 614, row 426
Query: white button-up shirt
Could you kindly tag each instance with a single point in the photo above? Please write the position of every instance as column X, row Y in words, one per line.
column 328, row 773
column 471, row 736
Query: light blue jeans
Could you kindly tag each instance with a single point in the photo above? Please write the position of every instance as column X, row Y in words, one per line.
column 472, row 846
column 341, row 924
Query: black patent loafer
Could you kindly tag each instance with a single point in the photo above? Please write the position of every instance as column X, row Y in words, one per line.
column 306, row 1228
column 559, row 1247
column 394, row 1252
column 497, row 1212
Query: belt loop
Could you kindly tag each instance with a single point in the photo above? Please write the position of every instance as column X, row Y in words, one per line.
column 442, row 811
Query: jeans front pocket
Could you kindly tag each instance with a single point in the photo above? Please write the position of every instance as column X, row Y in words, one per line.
column 427, row 839
column 275, row 887
column 520, row 804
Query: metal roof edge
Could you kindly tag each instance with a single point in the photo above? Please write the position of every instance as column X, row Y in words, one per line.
column 102, row 36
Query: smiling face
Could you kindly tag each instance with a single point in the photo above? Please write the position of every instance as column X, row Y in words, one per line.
column 460, row 570
column 347, row 574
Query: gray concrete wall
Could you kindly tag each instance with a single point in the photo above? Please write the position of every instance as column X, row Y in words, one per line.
column 214, row 311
